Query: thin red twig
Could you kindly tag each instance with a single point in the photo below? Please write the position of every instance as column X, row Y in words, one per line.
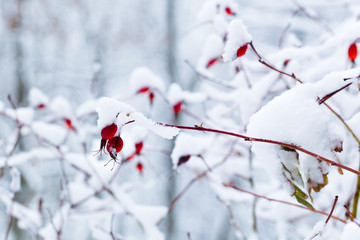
column 252, row 139
column 281, row 201
column 332, row 209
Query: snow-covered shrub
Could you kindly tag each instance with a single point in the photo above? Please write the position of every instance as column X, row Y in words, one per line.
column 268, row 131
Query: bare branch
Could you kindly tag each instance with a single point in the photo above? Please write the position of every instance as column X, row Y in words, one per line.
column 281, row 201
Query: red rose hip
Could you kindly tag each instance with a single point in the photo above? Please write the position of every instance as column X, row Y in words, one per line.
column 177, row 107
column 352, row 52
column 242, row 50
column 211, row 62
column 69, row 124
column 143, row 90
column 139, row 167
column 114, row 146
column 151, row 97
column 138, row 147
column 229, row 11
column 109, row 131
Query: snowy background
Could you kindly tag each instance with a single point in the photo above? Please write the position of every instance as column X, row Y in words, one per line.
column 283, row 71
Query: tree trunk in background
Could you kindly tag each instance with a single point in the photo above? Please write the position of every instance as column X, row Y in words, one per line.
column 172, row 73
column 20, row 81
column 19, row 96
column 15, row 24
column 172, row 43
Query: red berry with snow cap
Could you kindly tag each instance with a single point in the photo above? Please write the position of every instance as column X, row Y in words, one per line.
column 177, row 107
column 138, row 147
column 143, row 90
column 229, row 11
column 151, row 97
column 40, row 106
column 183, row 159
column 109, row 131
column 352, row 52
column 286, row 62
column 211, row 62
column 69, row 124
column 139, row 167
column 242, row 50
column 114, row 146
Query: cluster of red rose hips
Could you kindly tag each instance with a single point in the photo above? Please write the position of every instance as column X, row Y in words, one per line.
column 113, row 144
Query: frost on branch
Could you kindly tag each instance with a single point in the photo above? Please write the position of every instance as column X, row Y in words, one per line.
column 61, row 107
column 351, row 232
column 27, row 217
column 237, row 41
column 189, row 149
column 51, row 133
column 177, row 94
column 296, row 118
column 211, row 52
column 112, row 111
column 37, row 98
column 213, row 8
column 15, row 180
column 317, row 231
column 57, row 222
column 143, row 77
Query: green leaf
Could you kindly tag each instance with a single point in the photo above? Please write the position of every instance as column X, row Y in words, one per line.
column 303, row 202
column 299, row 193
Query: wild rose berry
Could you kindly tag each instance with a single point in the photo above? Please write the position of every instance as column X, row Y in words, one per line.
column 151, row 97
column 229, row 11
column 130, row 157
column 286, row 62
column 40, row 106
column 138, row 147
column 177, row 107
column 183, row 159
column 114, row 146
column 352, row 52
column 242, row 50
column 69, row 124
column 139, row 167
column 109, row 131
column 211, row 62
column 143, row 90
